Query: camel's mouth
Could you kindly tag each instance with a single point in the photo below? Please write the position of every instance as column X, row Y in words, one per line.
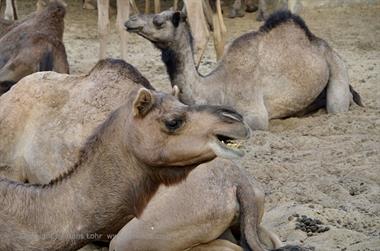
column 133, row 29
column 227, row 146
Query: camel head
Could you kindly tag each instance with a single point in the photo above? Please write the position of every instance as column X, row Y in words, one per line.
column 162, row 131
column 160, row 29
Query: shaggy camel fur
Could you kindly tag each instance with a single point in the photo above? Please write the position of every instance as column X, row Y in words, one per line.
column 152, row 139
column 33, row 45
column 170, row 221
column 279, row 71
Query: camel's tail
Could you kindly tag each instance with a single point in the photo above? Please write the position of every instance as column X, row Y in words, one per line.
column 356, row 97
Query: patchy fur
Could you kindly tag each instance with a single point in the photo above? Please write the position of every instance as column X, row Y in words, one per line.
column 284, row 16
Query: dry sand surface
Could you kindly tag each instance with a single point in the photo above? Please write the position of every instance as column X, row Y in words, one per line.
column 326, row 167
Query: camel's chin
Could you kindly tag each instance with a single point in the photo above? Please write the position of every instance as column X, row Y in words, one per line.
column 225, row 150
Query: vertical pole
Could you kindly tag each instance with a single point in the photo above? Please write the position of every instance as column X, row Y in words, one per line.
column 122, row 16
column 103, row 25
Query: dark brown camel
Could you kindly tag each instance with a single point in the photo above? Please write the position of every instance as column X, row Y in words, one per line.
column 35, row 44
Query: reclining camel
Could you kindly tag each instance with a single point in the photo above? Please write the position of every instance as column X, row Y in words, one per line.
column 280, row 71
column 48, row 129
column 152, row 139
column 33, row 45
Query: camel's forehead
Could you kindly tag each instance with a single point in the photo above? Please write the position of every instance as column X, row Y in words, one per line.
column 167, row 103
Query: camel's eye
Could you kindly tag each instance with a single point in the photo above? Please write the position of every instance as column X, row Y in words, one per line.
column 173, row 124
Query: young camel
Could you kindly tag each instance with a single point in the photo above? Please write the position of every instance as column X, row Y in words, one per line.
column 48, row 129
column 280, row 71
column 152, row 139
column 33, row 45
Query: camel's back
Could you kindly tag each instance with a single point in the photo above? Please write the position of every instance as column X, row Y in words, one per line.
column 47, row 116
column 282, row 60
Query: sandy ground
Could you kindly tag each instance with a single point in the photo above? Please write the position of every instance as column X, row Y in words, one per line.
column 325, row 167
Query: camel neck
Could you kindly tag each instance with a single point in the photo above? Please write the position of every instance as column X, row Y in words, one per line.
column 180, row 65
column 78, row 207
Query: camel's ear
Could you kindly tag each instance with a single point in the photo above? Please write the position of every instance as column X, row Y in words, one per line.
column 177, row 17
column 143, row 103
column 175, row 91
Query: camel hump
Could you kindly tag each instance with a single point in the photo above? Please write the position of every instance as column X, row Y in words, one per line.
column 285, row 16
column 120, row 69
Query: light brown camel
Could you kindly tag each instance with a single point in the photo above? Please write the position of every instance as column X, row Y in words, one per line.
column 33, row 45
column 279, row 71
column 51, row 114
column 152, row 139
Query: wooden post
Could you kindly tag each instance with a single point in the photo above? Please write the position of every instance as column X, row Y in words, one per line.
column 157, row 6
column 103, row 26
column 122, row 16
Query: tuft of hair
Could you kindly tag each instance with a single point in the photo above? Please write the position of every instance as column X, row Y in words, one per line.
column 284, row 16
column 356, row 97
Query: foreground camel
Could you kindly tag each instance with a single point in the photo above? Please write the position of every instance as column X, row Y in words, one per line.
column 33, row 45
column 279, row 71
column 152, row 139
column 51, row 114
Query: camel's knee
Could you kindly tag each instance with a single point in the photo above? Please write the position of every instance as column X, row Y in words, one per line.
column 338, row 97
column 217, row 245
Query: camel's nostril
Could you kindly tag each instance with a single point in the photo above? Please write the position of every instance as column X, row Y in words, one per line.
column 232, row 116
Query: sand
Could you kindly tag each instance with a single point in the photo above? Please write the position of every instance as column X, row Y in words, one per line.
column 324, row 166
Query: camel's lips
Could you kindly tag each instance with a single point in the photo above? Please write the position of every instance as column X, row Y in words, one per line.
column 227, row 146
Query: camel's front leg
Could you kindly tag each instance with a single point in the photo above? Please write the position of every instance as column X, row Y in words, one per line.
column 10, row 10
column 217, row 245
column 179, row 217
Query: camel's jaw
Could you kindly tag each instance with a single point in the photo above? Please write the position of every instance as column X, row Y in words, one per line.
column 228, row 147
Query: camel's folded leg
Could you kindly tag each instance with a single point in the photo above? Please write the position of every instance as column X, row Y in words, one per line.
column 217, row 245
column 179, row 217
column 339, row 96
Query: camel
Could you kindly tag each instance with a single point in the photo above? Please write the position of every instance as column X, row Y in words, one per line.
column 279, row 71
column 152, row 139
column 33, row 45
column 48, row 129
column 239, row 7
